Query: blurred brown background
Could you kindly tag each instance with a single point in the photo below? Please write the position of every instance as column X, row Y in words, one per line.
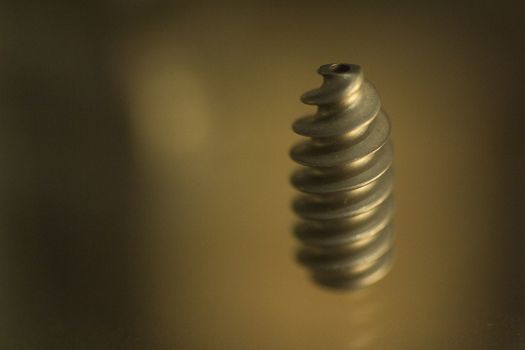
column 144, row 183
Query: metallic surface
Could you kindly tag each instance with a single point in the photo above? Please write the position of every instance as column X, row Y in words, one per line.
column 144, row 193
column 346, row 208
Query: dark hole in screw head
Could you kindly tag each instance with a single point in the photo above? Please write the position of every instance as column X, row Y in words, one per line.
column 340, row 68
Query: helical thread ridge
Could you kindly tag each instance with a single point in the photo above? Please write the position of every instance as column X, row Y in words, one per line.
column 346, row 178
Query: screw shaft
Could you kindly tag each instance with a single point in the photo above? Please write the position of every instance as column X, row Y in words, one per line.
column 346, row 205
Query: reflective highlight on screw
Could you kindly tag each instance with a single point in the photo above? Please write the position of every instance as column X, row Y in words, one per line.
column 346, row 205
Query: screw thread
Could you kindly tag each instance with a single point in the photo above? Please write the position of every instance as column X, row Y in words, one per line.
column 346, row 205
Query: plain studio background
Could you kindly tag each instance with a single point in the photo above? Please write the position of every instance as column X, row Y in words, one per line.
column 144, row 182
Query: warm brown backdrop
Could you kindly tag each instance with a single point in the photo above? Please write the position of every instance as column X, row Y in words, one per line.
column 144, row 183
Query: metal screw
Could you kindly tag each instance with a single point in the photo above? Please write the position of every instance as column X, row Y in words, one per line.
column 346, row 207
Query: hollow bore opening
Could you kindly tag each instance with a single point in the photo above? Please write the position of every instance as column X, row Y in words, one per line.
column 340, row 68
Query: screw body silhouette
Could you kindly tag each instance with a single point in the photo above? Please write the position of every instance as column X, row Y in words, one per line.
column 345, row 179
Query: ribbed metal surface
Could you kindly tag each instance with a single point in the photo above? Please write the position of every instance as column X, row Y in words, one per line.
column 346, row 181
